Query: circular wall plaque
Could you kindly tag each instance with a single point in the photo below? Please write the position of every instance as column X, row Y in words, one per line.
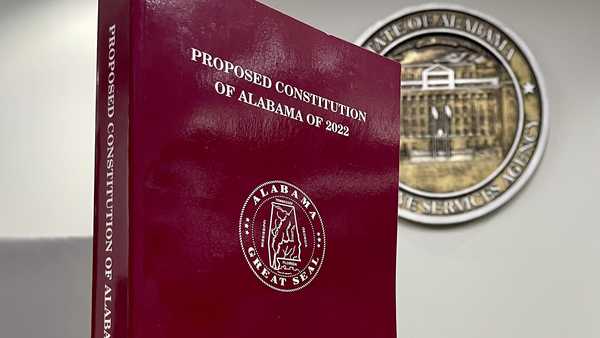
column 474, row 114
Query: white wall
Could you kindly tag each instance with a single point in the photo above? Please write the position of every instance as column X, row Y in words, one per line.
column 529, row 270
column 47, row 95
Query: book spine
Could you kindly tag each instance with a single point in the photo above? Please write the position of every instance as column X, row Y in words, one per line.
column 110, row 288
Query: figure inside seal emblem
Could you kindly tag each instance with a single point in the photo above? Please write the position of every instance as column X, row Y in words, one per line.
column 459, row 116
column 284, row 242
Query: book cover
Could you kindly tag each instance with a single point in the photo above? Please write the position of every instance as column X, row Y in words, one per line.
column 246, row 176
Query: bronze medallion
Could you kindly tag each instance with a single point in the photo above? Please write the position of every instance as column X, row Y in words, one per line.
column 474, row 117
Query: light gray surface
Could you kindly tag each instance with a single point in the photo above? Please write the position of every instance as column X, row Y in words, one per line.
column 45, row 288
column 528, row 271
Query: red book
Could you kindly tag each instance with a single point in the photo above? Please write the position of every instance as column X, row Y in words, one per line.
column 246, row 176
